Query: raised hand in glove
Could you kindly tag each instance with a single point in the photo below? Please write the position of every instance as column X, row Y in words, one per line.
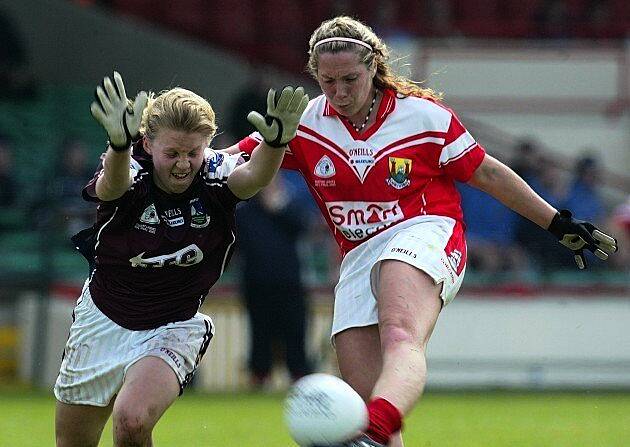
column 115, row 113
column 280, row 124
column 578, row 235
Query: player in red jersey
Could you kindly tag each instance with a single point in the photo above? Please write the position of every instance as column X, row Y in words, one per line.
column 380, row 156
column 163, row 235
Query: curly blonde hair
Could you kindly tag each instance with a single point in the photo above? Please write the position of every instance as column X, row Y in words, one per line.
column 344, row 26
column 178, row 109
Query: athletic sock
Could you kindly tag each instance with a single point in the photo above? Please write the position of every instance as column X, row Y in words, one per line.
column 385, row 419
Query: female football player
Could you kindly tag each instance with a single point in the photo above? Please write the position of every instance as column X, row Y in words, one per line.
column 163, row 235
column 381, row 156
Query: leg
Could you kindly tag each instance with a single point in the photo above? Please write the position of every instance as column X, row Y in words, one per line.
column 80, row 425
column 150, row 387
column 261, row 345
column 359, row 357
column 409, row 304
column 293, row 312
column 388, row 361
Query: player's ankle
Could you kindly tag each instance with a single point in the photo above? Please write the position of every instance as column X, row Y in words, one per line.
column 385, row 419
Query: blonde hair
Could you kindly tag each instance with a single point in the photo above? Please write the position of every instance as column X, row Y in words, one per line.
column 347, row 27
column 178, row 109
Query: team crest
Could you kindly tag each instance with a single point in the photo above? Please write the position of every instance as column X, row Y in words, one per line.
column 150, row 215
column 324, row 167
column 399, row 170
column 198, row 216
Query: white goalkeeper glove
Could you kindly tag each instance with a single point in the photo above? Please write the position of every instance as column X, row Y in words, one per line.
column 578, row 235
column 279, row 125
column 114, row 112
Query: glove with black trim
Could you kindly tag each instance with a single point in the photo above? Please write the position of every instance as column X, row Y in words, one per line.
column 279, row 125
column 118, row 116
column 578, row 235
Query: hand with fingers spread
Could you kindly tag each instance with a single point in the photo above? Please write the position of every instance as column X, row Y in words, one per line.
column 578, row 235
column 115, row 113
column 279, row 125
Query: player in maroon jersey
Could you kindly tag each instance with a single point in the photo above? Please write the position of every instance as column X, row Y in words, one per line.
column 163, row 235
column 381, row 156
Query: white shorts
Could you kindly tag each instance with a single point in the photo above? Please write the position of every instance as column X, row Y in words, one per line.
column 433, row 244
column 99, row 352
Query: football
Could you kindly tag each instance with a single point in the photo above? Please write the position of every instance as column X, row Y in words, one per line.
column 321, row 410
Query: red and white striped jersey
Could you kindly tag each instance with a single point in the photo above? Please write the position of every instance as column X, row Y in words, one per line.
column 403, row 166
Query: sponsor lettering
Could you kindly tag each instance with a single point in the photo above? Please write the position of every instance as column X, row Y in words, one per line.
column 361, row 157
column 328, row 183
column 185, row 257
column 360, row 220
column 404, row 251
column 144, row 227
column 168, row 214
column 361, row 152
column 172, row 355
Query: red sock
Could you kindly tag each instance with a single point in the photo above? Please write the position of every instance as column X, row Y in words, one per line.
column 385, row 419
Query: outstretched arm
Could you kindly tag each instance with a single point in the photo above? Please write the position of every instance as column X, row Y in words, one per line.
column 278, row 127
column 122, row 123
column 498, row 180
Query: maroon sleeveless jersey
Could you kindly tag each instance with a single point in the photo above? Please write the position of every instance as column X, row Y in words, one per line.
column 154, row 255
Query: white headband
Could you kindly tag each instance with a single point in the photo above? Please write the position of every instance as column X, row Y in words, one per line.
column 343, row 39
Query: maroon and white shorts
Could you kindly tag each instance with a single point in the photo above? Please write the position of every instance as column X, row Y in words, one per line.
column 99, row 352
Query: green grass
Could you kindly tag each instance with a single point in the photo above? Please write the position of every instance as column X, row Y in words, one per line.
column 441, row 420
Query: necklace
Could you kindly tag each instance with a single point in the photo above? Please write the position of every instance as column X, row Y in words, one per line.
column 359, row 129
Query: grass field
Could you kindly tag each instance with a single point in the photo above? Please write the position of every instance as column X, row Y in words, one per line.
column 441, row 420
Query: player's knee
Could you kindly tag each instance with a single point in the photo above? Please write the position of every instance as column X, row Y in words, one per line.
column 131, row 427
column 395, row 335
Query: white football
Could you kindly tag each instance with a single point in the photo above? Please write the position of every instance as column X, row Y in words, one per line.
column 322, row 409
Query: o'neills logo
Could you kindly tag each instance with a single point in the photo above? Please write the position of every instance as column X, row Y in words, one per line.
column 361, row 157
column 360, row 220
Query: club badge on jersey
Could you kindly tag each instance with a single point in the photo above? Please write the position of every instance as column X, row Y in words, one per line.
column 198, row 216
column 324, row 168
column 399, row 171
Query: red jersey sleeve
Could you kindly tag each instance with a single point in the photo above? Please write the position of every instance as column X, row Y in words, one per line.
column 248, row 144
column 461, row 154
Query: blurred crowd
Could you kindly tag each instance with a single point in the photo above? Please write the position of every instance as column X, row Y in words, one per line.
column 256, row 30
column 500, row 242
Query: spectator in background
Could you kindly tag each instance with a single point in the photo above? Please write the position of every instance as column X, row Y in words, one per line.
column 526, row 160
column 552, row 20
column 8, row 186
column 72, row 173
column 15, row 77
column 546, row 178
column 582, row 195
column 10, row 216
column 271, row 225
column 491, row 229
column 252, row 96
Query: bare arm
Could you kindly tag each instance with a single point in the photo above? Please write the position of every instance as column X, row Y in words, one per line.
column 498, row 180
column 115, row 179
column 251, row 177
column 231, row 150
